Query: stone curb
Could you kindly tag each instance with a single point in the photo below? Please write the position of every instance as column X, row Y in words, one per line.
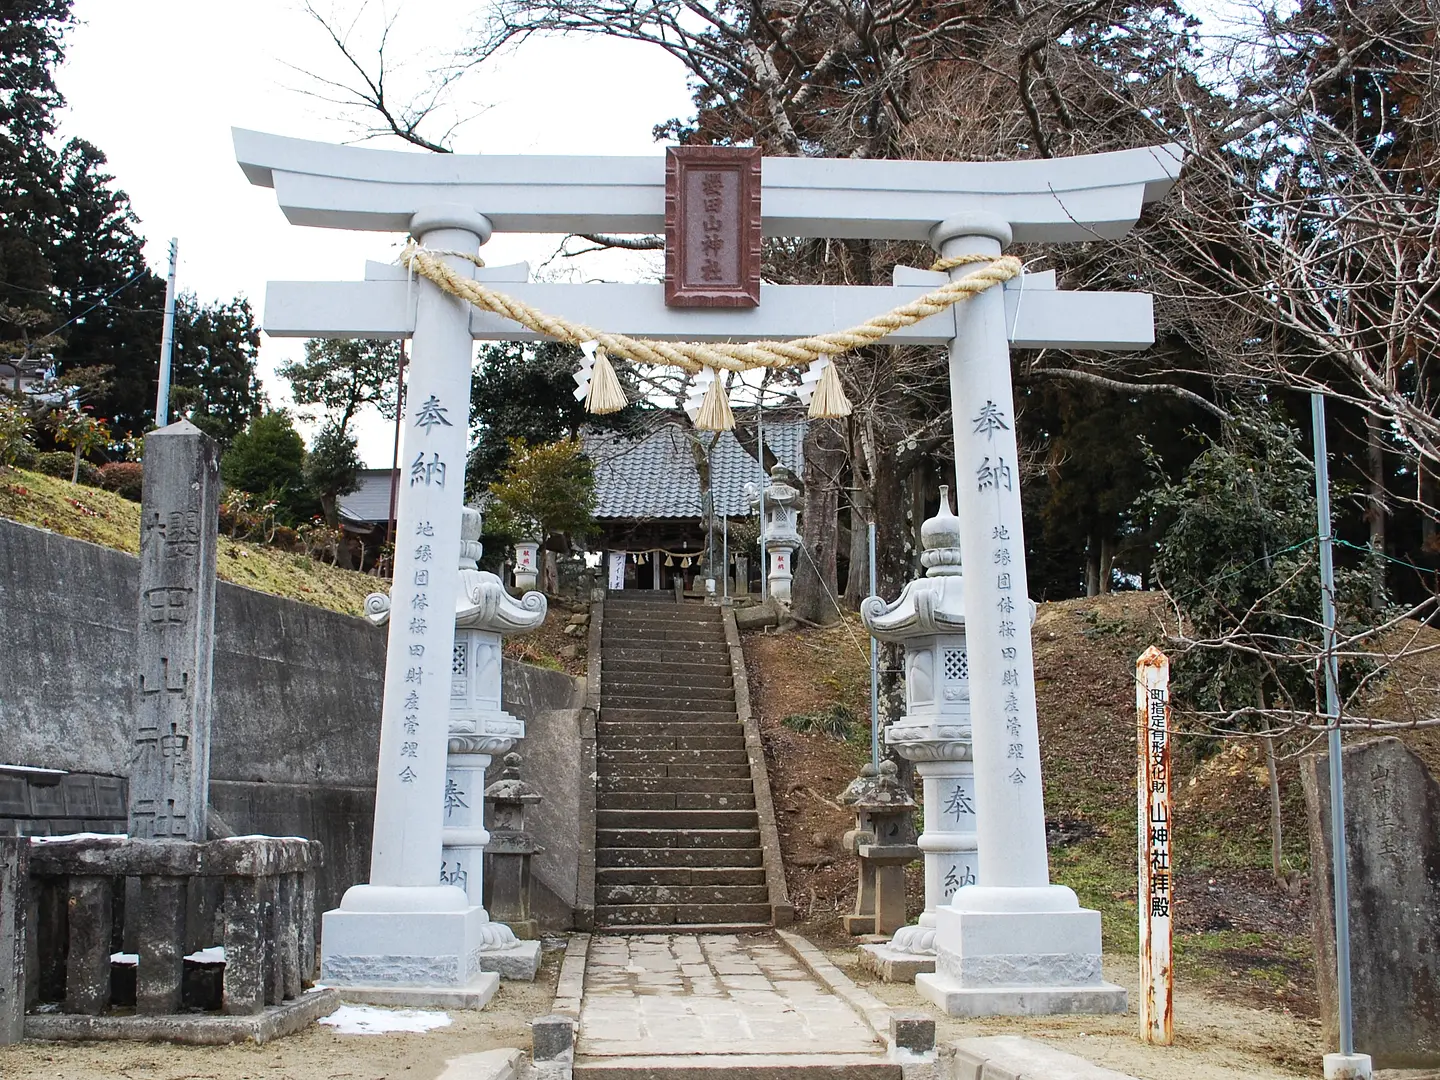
column 872, row 1010
column 782, row 912
column 275, row 1021
column 570, row 987
column 502, row 1064
column 1011, row 1057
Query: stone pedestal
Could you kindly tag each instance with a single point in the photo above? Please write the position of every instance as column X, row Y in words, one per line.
column 170, row 771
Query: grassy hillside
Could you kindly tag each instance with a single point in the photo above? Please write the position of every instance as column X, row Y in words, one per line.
column 103, row 518
column 1238, row 929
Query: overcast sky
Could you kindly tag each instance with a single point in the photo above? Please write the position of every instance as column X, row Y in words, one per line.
column 157, row 85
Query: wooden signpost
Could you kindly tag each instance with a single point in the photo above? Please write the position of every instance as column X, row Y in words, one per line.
column 1156, row 892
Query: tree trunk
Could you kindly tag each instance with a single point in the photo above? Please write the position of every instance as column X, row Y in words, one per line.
column 1428, row 497
column 330, row 507
column 857, row 581
column 1377, row 511
column 75, row 472
column 1107, row 563
column 1277, row 835
column 1092, row 566
column 812, row 594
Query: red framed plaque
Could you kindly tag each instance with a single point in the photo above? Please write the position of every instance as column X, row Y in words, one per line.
column 712, row 226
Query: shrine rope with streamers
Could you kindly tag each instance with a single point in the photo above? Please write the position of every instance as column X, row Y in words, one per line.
column 692, row 356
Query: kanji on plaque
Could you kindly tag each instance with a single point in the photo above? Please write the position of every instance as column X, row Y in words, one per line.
column 712, row 226
column 1156, row 832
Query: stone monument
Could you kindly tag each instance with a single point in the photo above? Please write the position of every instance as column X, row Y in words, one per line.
column 779, row 529
column 477, row 728
column 928, row 618
column 527, row 565
column 170, row 770
column 1392, row 832
column 510, row 850
column 884, row 842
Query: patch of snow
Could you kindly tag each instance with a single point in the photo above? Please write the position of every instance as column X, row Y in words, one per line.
column 33, row 769
column 215, row 954
column 369, row 1020
column 78, row 836
column 259, row 836
column 128, row 958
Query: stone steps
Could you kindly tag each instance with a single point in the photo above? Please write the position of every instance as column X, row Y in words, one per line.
column 644, row 743
column 662, row 839
column 698, row 820
column 737, row 1066
column 673, row 757
column 626, row 773
column 672, row 800
column 662, row 678
column 736, row 859
column 665, row 617
column 680, row 876
column 617, row 663
column 667, row 637
column 693, row 701
column 681, row 894
column 665, row 716
column 661, row 915
column 648, row 785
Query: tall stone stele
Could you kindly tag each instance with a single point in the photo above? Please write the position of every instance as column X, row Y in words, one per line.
column 928, row 619
column 170, row 769
column 780, row 529
column 445, row 950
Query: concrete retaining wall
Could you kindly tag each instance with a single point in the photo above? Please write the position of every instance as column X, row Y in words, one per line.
column 297, row 707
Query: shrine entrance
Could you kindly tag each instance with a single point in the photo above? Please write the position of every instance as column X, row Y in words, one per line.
column 1010, row 943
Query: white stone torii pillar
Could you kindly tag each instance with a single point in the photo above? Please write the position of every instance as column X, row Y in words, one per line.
column 1012, row 943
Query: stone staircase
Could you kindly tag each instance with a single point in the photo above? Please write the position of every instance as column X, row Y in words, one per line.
column 677, row 840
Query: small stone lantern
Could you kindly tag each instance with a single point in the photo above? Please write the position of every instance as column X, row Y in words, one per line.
column 780, row 529
column 527, row 564
column 507, row 858
column 884, row 840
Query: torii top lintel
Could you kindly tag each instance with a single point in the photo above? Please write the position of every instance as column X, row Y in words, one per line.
column 1046, row 200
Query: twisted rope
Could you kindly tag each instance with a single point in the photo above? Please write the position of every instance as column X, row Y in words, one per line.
column 731, row 356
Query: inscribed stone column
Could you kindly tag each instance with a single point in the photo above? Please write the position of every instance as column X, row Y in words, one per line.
column 170, row 769
column 405, row 929
column 1013, row 943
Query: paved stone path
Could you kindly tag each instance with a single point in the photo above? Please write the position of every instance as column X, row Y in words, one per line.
column 662, row 994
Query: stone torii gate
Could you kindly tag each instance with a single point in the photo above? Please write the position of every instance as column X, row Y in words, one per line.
column 1011, row 943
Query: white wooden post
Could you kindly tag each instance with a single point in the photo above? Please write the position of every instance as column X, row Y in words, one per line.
column 1156, row 875
column 1013, row 943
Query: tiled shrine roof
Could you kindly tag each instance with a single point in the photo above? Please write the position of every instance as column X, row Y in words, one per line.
column 655, row 476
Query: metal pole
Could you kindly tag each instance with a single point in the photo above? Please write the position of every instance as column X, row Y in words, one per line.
column 874, row 668
column 725, row 558
column 1332, row 711
column 167, row 341
column 760, row 456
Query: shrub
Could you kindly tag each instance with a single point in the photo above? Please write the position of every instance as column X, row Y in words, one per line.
column 55, row 463
column 838, row 721
column 125, row 478
column 14, row 434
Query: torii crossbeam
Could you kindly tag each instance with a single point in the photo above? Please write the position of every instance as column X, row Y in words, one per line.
column 1013, row 942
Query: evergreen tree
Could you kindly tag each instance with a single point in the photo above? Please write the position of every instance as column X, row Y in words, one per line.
column 268, row 459
column 345, row 375
column 332, row 469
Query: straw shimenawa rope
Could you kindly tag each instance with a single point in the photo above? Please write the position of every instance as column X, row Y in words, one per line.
column 730, row 356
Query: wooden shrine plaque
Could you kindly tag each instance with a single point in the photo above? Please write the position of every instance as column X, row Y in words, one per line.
column 712, row 226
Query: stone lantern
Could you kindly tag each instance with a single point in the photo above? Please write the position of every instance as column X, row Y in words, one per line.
column 527, row 564
column 884, row 840
column 510, row 849
column 934, row 733
column 485, row 613
column 779, row 529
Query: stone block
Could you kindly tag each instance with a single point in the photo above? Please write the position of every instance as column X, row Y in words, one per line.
column 110, row 796
column 1392, row 832
column 47, row 801
column 14, row 903
column 14, row 796
column 79, row 794
column 518, row 963
column 892, row 965
column 1011, row 1057
column 552, row 1038
column 914, row 1032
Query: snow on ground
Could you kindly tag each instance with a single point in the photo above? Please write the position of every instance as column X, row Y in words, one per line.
column 369, row 1020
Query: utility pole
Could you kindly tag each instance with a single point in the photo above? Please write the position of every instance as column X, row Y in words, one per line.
column 167, row 341
column 1347, row 1063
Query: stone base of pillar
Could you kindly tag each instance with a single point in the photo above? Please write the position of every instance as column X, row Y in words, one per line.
column 893, row 965
column 518, row 962
column 1018, row 952
column 417, row 945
